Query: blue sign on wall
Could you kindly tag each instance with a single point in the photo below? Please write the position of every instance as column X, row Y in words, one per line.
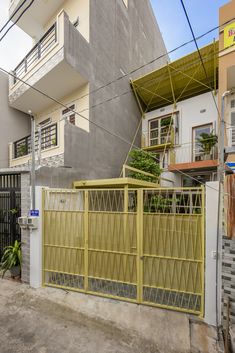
column 34, row 213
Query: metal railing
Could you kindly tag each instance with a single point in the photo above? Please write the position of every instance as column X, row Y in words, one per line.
column 22, row 147
column 190, row 153
column 37, row 52
column 231, row 136
column 159, row 136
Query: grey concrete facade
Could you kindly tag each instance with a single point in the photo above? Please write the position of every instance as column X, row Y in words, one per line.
column 121, row 40
column 228, row 279
column 14, row 124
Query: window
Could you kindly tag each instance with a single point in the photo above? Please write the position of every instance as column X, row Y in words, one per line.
column 196, row 179
column 160, row 130
column 69, row 115
column 197, row 152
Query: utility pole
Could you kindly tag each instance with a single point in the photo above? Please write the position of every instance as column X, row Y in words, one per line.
column 32, row 158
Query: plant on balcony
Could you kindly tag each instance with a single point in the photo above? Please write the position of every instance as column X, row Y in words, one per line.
column 166, row 121
column 146, row 162
column 206, row 142
column 22, row 151
column 11, row 260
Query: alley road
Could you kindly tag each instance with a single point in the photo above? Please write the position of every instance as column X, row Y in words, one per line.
column 30, row 324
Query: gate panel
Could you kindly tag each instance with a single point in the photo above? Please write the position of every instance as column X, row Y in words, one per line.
column 173, row 254
column 145, row 246
column 64, row 239
column 112, row 249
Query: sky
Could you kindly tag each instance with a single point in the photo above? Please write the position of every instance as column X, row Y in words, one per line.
column 203, row 15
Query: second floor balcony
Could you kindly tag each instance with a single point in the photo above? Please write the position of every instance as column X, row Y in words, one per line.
column 53, row 66
column 191, row 156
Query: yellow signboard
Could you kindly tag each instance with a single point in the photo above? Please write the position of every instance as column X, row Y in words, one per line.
column 229, row 35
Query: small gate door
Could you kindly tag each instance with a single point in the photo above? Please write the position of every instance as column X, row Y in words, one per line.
column 10, row 209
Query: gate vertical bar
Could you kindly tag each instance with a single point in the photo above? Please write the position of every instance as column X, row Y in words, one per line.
column 86, row 225
column 203, row 251
column 140, row 245
column 43, row 238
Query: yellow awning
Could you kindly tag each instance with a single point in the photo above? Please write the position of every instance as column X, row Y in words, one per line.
column 180, row 79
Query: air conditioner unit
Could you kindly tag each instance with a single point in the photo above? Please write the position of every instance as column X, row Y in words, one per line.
column 32, row 222
column 22, row 221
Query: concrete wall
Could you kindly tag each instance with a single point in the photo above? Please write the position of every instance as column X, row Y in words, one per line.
column 121, row 40
column 25, row 233
column 14, row 124
column 212, row 197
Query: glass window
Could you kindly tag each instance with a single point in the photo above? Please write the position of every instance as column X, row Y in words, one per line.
column 198, row 152
column 196, row 180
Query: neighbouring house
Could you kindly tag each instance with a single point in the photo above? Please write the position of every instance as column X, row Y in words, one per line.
column 226, row 88
column 82, row 54
column 14, row 124
column 180, row 117
column 80, row 46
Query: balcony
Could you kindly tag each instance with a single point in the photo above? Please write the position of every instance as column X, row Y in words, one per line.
column 47, row 142
column 231, row 139
column 53, row 66
column 190, row 157
column 36, row 17
column 157, row 139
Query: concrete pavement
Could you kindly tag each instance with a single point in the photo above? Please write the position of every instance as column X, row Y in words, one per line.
column 31, row 324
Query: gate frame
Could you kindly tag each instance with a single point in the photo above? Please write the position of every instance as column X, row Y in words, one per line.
column 139, row 239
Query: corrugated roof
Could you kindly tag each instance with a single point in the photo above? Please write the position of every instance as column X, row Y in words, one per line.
column 180, row 79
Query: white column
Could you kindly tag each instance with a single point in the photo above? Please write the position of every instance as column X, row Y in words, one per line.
column 212, row 198
column 36, row 245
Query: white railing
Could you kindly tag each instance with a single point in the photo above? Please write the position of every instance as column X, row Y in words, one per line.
column 189, row 153
column 231, row 136
column 37, row 52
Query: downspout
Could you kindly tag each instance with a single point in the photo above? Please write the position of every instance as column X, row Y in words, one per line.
column 220, row 207
column 32, row 159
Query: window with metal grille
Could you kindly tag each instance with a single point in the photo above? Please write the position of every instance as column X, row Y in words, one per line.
column 69, row 115
column 22, row 147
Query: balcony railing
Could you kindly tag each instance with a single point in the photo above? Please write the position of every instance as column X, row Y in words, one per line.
column 37, row 52
column 22, row 147
column 163, row 135
column 231, row 136
column 190, row 153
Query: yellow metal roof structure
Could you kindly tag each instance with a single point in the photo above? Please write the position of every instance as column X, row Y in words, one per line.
column 113, row 183
column 179, row 80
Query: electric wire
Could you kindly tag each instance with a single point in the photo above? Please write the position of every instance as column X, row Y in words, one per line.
column 14, row 23
column 14, row 13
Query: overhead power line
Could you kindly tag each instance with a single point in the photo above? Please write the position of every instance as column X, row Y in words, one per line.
column 13, row 24
column 92, row 122
column 11, row 17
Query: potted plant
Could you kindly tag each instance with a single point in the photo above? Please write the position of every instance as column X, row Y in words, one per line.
column 206, row 142
column 22, row 151
column 11, row 260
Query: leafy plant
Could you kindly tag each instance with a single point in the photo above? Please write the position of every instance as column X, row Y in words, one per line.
column 11, row 257
column 146, row 162
column 166, row 121
column 13, row 211
column 158, row 203
column 22, row 150
column 207, row 141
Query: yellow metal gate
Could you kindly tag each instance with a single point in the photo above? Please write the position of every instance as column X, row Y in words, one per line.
column 144, row 246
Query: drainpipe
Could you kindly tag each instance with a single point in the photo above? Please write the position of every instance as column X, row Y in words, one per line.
column 222, row 131
column 32, row 158
column 221, row 172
